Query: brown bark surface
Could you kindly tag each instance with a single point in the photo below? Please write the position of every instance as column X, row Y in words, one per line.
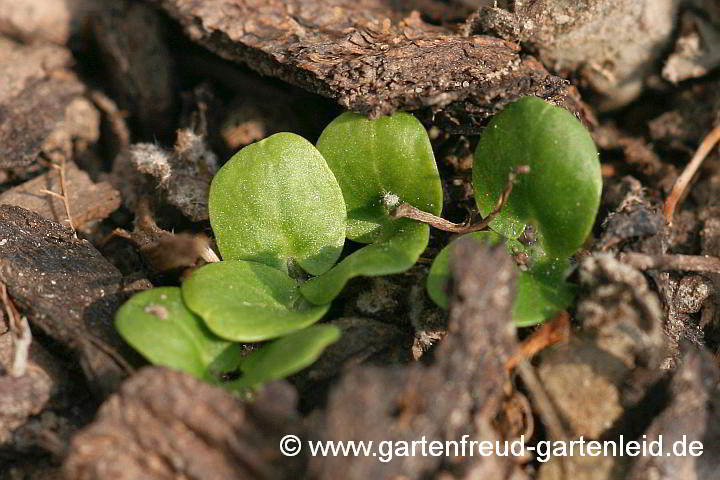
column 369, row 56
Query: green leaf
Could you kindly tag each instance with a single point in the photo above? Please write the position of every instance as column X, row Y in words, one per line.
column 276, row 201
column 560, row 195
column 285, row 356
column 384, row 257
column 540, row 292
column 248, row 301
column 157, row 324
column 372, row 158
column 438, row 280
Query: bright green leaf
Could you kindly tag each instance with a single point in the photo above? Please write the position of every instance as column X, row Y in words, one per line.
column 384, row 257
column 248, row 301
column 157, row 324
column 539, row 292
column 286, row 356
column 277, row 201
column 372, row 158
column 560, row 195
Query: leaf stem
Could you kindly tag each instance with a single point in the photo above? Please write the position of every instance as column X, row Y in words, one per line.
column 405, row 210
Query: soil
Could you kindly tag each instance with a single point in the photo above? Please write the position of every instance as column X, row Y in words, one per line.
column 115, row 115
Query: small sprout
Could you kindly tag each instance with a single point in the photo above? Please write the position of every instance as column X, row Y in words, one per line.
column 560, row 196
column 157, row 324
column 248, row 301
column 540, row 292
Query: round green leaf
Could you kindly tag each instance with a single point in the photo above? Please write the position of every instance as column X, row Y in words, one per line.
column 277, row 201
column 157, row 324
column 248, row 301
column 540, row 292
column 560, row 195
column 384, row 257
column 286, row 356
column 373, row 158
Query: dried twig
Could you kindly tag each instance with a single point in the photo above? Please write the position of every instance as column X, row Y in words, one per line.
column 21, row 334
column 109, row 351
column 63, row 194
column 405, row 210
column 687, row 263
column 679, row 190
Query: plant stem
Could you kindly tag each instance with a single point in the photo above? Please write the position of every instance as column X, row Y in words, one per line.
column 683, row 181
column 405, row 210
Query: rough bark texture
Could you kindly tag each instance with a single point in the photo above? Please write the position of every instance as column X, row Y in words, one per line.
column 459, row 394
column 693, row 415
column 65, row 287
column 368, row 56
column 168, row 425
column 41, row 104
column 87, row 200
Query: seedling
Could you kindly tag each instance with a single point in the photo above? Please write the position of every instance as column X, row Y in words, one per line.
column 378, row 163
column 278, row 211
column 539, row 292
column 558, row 196
column 157, row 324
column 281, row 210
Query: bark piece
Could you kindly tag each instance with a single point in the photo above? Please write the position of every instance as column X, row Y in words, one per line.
column 45, row 20
column 693, row 415
column 609, row 365
column 139, row 66
column 615, row 45
column 66, row 289
column 457, row 395
column 370, row 57
column 620, row 312
column 88, row 201
column 41, row 104
column 164, row 424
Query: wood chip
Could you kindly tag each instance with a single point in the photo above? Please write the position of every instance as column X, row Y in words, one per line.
column 88, row 201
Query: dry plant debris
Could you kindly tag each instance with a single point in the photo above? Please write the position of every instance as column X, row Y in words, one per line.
column 369, row 56
column 88, row 201
column 66, row 288
column 164, row 424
